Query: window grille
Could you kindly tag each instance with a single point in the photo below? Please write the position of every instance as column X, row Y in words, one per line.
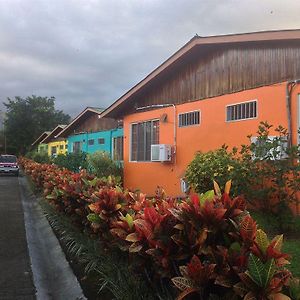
column 53, row 150
column 77, row 147
column 241, row 111
column 143, row 135
column 91, row 142
column 118, row 148
column 189, row 119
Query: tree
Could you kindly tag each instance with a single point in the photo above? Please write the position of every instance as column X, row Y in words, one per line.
column 27, row 119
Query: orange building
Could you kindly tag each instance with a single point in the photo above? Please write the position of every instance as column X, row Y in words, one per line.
column 213, row 91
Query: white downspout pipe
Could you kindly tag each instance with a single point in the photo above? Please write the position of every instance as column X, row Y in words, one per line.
column 289, row 88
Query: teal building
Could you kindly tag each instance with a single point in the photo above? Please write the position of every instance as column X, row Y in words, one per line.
column 89, row 132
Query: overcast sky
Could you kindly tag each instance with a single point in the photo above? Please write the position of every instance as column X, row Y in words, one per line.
column 90, row 52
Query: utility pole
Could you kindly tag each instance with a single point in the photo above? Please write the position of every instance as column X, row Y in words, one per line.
column 3, row 129
column 4, row 137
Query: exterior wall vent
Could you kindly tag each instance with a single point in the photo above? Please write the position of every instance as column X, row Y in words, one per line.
column 161, row 152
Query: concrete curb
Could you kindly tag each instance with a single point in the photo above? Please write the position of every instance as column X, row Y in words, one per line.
column 52, row 274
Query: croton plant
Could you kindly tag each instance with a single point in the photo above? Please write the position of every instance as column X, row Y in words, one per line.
column 207, row 245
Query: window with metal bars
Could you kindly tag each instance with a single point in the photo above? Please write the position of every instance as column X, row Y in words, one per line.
column 53, row 150
column 241, row 111
column 143, row 135
column 189, row 119
column 91, row 142
column 77, row 147
column 118, row 148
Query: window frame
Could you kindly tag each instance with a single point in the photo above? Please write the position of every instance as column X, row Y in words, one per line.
column 239, row 103
column 101, row 139
column 130, row 142
column 113, row 147
column 188, row 112
column 91, row 142
column 80, row 143
column 53, row 152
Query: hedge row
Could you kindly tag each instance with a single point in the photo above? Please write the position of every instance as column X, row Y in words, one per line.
column 206, row 246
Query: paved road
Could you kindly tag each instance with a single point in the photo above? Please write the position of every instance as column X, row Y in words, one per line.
column 16, row 281
column 32, row 263
column 52, row 275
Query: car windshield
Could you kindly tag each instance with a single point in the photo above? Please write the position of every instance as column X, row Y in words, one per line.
column 8, row 159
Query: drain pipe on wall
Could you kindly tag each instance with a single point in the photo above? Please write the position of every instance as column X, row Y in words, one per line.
column 289, row 89
column 174, row 127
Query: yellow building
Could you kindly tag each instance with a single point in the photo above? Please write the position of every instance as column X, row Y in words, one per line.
column 38, row 146
column 56, row 145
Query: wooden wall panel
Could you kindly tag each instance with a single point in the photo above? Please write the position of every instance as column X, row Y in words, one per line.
column 93, row 124
column 212, row 72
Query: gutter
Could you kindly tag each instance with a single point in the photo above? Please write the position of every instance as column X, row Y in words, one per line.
column 289, row 89
column 111, row 144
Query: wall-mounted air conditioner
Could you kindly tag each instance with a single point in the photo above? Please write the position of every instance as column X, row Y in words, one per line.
column 161, row 152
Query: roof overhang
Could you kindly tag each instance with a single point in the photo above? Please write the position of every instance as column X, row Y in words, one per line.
column 79, row 119
column 115, row 110
column 53, row 134
column 40, row 138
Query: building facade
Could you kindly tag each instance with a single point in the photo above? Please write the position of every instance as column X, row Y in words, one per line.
column 89, row 132
column 42, row 148
column 38, row 146
column 106, row 140
column 213, row 91
column 55, row 145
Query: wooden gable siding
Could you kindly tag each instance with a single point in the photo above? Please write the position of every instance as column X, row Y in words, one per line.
column 217, row 71
column 94, row 124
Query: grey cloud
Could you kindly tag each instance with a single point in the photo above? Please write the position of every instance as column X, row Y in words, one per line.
column 88, row 52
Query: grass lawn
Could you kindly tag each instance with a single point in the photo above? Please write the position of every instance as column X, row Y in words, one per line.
column 291, row 245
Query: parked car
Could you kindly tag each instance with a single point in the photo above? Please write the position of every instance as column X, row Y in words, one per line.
column 9, row 164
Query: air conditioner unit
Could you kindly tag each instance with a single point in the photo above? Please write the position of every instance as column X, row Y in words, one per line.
column 161, row 152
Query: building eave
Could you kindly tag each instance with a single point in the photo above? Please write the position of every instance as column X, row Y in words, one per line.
column 197, row 41
column 40, row 138
column 77, row 119
column 53, row 134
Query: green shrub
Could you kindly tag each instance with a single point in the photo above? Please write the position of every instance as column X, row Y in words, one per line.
column 39, row 157
column 274, row 173
column 209, row 239
column 100, row 164
column 219, row 165
column 71, row 161
column 264, row 171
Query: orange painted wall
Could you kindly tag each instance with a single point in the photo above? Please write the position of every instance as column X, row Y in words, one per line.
column 212, row 133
